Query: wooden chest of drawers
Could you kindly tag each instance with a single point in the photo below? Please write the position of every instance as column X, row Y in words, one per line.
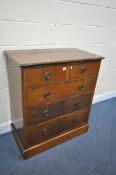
column 51, row 93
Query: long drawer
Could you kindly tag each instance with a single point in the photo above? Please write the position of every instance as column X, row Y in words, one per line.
column 55, row 126
column 60, row 90
column 41, row 113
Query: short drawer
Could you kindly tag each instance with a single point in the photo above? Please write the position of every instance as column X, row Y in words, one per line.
column 41, row 113
column 37, row 76
column 83, row 69
column 59, row 91
column 53, row 127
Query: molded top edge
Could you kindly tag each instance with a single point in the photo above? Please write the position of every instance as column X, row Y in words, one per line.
column 48, row 56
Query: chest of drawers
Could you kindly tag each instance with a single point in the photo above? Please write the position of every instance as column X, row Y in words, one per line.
column 51, row 93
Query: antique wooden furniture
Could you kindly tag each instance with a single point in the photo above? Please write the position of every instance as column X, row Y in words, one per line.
column 51, row 93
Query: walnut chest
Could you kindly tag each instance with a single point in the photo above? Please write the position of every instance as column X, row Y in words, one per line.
column 51, row 93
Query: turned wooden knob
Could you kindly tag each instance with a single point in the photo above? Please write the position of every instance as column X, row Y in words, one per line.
column 47, row 75
column 46, row 114
column 83, row 70
column 75, row 120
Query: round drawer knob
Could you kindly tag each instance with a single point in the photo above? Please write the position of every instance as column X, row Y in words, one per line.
column 75, row 120
column 81, row 87
column 78, row 103
column 46, row 114
column 47, row 75
column 45, row 131
column 46, row 94
column 83, row 70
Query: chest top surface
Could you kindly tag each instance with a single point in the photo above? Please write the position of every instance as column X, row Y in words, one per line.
column 49, row 56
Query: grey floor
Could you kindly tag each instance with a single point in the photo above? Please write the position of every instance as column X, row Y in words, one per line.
column 93, row 153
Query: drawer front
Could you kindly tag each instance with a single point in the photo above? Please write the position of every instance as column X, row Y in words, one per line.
column 38, row 76
column 84, row 69
column 52, row 127
column 37, row 114
column 59, row 91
